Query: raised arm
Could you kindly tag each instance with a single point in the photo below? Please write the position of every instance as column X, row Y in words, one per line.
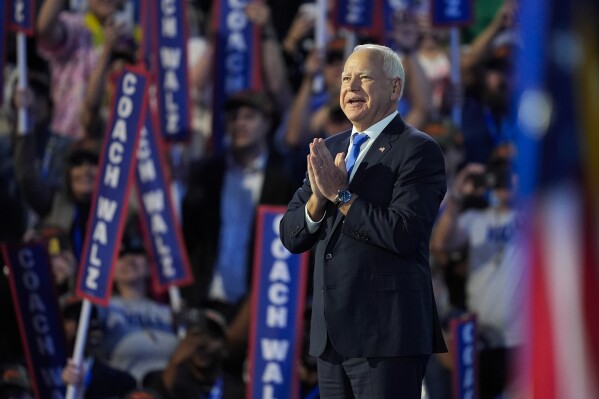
column 49, row 30
column 444, row 233
column 273, row 65
column 504, row 18
column 299, row 127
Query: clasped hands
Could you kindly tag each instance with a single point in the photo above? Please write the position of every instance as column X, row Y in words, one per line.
column 327, row 175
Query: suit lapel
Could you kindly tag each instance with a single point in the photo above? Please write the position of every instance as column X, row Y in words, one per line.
column 379, row 149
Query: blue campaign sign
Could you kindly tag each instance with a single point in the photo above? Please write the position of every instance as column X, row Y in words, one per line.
column 236, row 63
column 109, row 205
column 170, row 264
column 452, row 12
column 355, row 14
column 38, row 316
column 465, row 357
column 170, row 27
column 21, row 16
column 279, row 288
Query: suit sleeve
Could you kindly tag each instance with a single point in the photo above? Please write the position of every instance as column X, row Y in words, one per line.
column 404, row 226
column 294, row 232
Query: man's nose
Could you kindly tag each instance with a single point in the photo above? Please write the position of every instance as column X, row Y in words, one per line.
column 354, row 83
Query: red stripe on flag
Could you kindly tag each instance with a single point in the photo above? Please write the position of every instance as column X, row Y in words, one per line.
column 590, row 286
column 542, row 362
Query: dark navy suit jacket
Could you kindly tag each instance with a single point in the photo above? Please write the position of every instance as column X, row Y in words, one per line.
column 373, row 293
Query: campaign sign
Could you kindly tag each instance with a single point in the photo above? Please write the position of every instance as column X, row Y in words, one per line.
column 109, row 205
column 452, row 12
column 21, row 16
column 38, row 316
column 276, row 331
column 355, row 14
column 237, row 60
column 170, row 27
column 162, row 232
column 465, row 357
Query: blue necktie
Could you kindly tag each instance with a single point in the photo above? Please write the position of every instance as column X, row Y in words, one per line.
column 359, row 139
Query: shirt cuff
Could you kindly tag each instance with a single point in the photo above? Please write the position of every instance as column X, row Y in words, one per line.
column 311, row 225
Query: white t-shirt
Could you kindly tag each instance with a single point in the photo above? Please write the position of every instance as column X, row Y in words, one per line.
column 138, row 335
column 495, row 285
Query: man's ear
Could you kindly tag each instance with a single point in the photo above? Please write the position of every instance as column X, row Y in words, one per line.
column 396, row 88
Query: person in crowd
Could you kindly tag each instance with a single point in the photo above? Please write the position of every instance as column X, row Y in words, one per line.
column 48, row 152
column 62, row 261
column 93, row 378
column 139, row 333
column 219, row 209
column 113, row 56
column 196, row 368
column 310, row 109
column 370, row 228
column 71, row 43
column 495, row 281
column 14, row 382
column 432, row 57
column 405, row 38
column 486, row 69
column 63, row 206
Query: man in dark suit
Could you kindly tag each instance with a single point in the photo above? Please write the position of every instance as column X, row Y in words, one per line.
column 374, row 320
column 223, row 193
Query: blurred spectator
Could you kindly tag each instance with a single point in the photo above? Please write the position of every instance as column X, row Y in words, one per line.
column 62, row 261
column 48, row 152
column 495, row 281
column 138, row 332
column 404, row 39
column 71, row 43
column 196, row 368
column 113, row 56
column 223, row 194
column 487, row 76
column 316, row 114
column 14, row 382
column 299, row 40
column 431, row 55
column 219, row 209
column 66, row 206
column 93, row 378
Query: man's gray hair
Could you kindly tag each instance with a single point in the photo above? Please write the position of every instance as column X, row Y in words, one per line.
column 391, row 62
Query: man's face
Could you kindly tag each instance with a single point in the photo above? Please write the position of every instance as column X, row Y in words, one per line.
column 367, row 93
column 246, row 127
column 208, row 350
column 83, row 178
column 497, row 89
column 131, row 267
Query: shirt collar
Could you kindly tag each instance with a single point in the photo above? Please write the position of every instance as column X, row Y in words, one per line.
column 256, row 165
column 376, row 129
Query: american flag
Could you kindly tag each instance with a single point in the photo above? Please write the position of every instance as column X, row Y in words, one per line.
column 557, row 105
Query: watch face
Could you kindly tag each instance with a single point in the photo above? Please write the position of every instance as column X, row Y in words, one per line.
column 343, row 196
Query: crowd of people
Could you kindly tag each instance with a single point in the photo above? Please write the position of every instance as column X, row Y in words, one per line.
column 134, row 348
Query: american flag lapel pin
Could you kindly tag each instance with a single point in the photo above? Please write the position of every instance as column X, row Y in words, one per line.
column 382, row 149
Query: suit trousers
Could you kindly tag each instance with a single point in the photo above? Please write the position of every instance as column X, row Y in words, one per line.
column 370, row 378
